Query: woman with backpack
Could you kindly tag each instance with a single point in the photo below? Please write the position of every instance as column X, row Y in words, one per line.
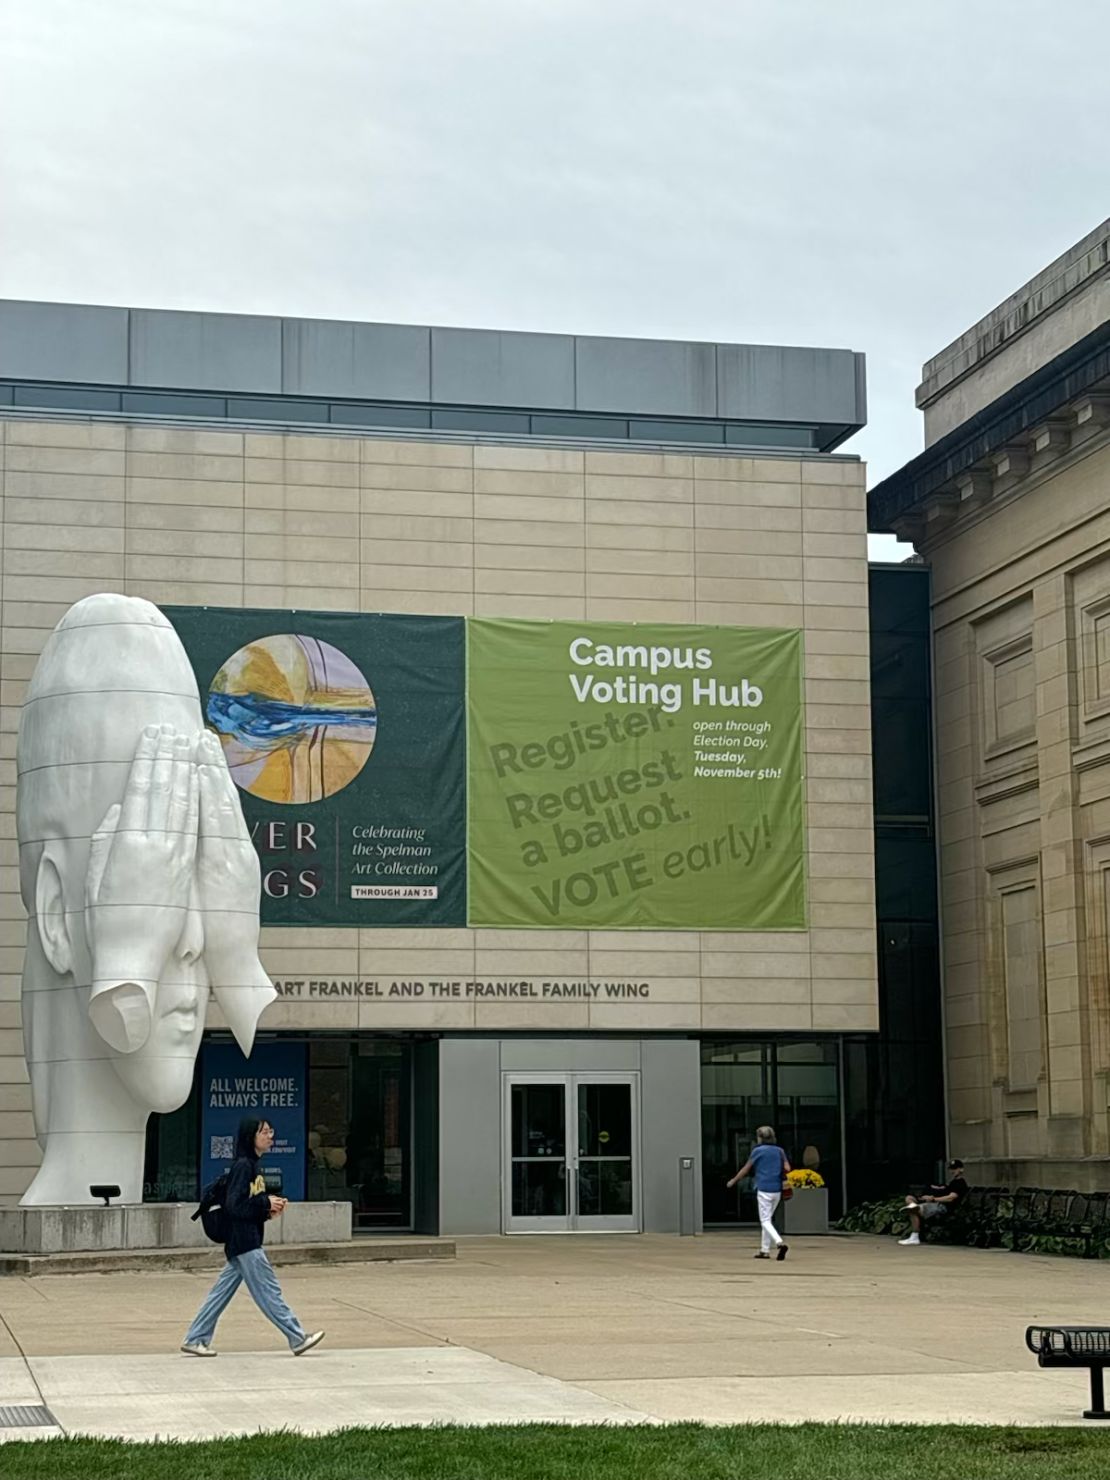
column 770, row 1166
column 248, row 1206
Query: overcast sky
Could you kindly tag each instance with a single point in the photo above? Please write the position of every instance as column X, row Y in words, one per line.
column 861, row 173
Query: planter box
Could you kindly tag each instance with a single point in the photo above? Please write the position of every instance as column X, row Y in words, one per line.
column 65, row 1230
column 807, row 1211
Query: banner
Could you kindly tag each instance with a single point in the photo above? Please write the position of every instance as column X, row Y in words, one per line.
column 344, row 734
column 403, row 770
column 633, row 775
column 270, row 1085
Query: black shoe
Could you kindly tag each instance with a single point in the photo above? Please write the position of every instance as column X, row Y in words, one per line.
column 784, row 1249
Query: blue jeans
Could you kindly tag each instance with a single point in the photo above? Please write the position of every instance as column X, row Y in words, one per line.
column 255, row 1271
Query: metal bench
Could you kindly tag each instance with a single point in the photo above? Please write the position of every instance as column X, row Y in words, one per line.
column 1075, row 1346
column 976, row 1219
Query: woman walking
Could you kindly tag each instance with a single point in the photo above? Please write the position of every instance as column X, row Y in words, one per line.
column 249, row 1207
column 770, row 1166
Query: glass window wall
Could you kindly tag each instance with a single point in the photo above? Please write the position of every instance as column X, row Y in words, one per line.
column 359, row 1139
column 516, row 421
column 790, row 1084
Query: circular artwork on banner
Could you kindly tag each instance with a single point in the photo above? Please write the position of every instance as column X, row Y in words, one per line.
column 296, row 718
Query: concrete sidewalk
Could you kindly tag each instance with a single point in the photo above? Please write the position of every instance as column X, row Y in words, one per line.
column 581, row 1330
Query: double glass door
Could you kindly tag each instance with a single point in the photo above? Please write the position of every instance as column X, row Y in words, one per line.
column 571, row 1158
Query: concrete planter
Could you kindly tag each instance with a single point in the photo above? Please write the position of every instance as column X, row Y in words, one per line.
column 807, row 1211
column 65, row 1230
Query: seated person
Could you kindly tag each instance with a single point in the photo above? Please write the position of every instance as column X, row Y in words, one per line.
column 936, row 1202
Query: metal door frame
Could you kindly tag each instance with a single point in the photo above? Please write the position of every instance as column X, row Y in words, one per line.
column 572, row 1222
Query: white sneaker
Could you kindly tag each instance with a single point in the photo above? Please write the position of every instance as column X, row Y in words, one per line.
column 198, row 1349
column 307, row 1344
column 909, row 1242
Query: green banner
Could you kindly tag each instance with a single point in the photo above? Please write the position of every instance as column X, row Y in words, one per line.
column 632, row 775
column 344, row 734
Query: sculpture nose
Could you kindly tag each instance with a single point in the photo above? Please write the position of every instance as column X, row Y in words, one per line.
column 190, row 946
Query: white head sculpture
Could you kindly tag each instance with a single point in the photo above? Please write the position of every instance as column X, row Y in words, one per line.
column 142, row 891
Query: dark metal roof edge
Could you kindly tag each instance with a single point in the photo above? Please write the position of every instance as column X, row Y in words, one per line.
column 1024, row 406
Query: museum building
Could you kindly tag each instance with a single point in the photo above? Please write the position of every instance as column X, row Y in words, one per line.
column 544, row 665
column 1007, row 507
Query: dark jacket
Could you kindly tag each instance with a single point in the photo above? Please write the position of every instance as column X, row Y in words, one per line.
column 247, row 1201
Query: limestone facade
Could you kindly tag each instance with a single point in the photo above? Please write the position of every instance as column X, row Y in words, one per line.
column 1012, row 514
column 192, row 515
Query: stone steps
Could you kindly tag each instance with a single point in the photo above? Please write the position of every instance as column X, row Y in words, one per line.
column 123, row 1261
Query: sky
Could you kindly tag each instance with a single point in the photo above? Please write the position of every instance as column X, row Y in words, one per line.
column 860, row 173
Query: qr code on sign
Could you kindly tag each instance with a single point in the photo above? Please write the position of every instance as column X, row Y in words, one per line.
column 221, row 1148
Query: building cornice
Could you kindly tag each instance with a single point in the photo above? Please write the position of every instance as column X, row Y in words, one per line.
column 1059, row 406
column 1077, row 270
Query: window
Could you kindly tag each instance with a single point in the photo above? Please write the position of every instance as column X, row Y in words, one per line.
column 358, row 1128
column 676, row 431
column 692, row 431
column 792, row 1085
column 161, row 403
column 278, row 408
column 66, row 397
column 172, row 1167
column 579, row 426
column 458, row 419
column 351, row 413
column 751, row 434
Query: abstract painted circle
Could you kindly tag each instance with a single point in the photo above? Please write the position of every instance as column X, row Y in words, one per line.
column 296, row 717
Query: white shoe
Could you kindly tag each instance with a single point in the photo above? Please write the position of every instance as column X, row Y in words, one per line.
column 907, row 1243
column 308, row 1343
column 198, row 1349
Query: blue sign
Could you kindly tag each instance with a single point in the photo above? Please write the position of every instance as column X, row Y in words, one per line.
column 270, row 1085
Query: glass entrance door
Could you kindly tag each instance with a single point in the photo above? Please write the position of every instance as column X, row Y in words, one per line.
column 571, row 1154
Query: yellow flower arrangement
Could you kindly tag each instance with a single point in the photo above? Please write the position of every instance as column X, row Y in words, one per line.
column 803, row 1177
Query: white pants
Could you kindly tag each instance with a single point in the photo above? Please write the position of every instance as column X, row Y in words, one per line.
column 768, row 1202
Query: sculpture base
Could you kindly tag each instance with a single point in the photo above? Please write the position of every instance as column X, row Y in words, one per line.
column 71, row 1230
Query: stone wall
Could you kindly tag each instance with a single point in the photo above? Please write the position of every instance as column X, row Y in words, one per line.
column 1021, row 592
column 182, row 515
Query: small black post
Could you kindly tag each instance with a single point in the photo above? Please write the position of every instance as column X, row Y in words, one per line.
column 1098, row 1401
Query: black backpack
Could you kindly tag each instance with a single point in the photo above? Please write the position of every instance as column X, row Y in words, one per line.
column 212, row 1213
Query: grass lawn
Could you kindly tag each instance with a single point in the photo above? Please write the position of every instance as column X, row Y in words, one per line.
column 556, row 1452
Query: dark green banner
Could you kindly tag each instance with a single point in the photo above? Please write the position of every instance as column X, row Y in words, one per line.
column 345, row 736
column 635, row 775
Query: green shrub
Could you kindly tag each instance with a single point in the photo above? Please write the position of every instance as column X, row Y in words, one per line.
column 888, row 1216
column 984, row 1228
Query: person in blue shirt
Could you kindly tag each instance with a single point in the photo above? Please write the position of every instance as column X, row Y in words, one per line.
column 769, row 1166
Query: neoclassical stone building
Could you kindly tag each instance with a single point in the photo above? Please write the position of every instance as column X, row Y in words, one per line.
column 1009, row 505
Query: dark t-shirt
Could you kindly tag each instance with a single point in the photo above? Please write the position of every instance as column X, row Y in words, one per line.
column 957, row 1186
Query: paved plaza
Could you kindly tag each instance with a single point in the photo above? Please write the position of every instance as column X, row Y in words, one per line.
column 584, row 1330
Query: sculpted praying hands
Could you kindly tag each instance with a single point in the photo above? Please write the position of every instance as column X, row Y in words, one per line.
column 140, row 875
column 173, row 873
column 230, row 880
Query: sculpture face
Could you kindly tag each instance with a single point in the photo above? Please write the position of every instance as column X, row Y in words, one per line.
column 159, row 1075
column 142, row 889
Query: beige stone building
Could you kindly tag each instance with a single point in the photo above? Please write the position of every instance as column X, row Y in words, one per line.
column 1010, row 506
column 207, row 460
